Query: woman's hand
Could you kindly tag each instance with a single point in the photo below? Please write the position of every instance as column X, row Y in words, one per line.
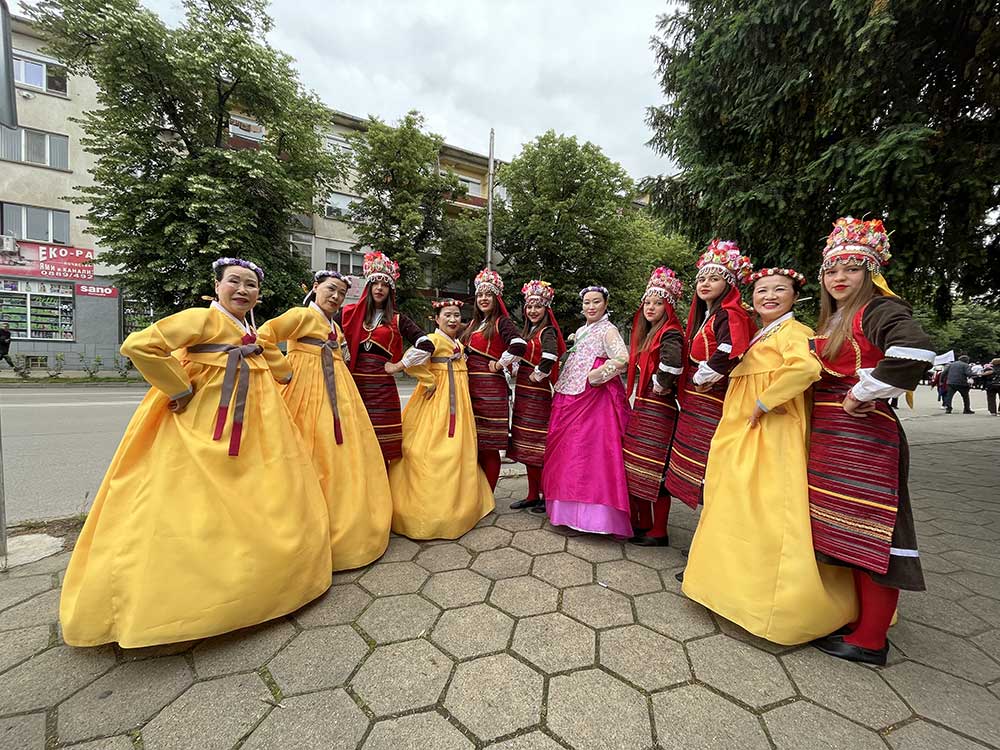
column 429, row 391
column 391, row 368
column 178, row 405
column 857, row 408
column 758, row 413
column 495, row 366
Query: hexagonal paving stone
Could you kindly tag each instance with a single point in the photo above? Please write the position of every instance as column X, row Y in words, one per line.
column 398, row 618
column 530, row 741
column 52, row 676
column 943, row 651
column 658, row 558
column 554, row 643
column 919, row 735
column 847, row 688
column 562, row 569
column 519, row 522
column 802, row 724
column 629, row 577
column 594, row 548
column 441, row 557
column 316, row 659
column 739, row 670
column 597, row 606
column 121, row 742
column 402, row 677
column 16, row 590
column 989, row 642
column 18, row 645
column 242, row 651
column 340, row 605
column 385, row 579
column 983, row 607
column 23, row 732
column 456, row 588
column 472, row 631
column 591, row 710
column 644, row 658
column 695, row 718
column 502, row 563
column 524, row 596
column 328, row 720
column 426, row 731
column 211, row 715
column 50, row 564
column 41, row 609
column 400, row 549
column 495, row 695
column 124, row 699
column 735, row 631
column 977, row 582
column 674, row 616
column 538, row 542
column 480, row 540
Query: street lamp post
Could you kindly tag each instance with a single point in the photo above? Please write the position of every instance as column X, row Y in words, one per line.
column 489, row 207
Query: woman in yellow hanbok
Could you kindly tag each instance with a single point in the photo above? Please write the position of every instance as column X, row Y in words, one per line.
column 210, row 517
column 334, row 424
column 752, row 558
column 439, row 491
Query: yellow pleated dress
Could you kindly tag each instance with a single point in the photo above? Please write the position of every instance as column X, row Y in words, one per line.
column 352, row 474
column 439, row 490
column 752, row 558
column 183, row 540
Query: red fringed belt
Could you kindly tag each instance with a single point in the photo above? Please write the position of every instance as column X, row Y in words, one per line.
column 237, row 378
column 451, row 391
column 326, row 355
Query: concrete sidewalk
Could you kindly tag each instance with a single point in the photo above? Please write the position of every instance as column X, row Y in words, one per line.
column 520, row 636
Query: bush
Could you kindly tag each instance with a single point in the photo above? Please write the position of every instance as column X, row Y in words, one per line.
column 124, row 366
column 91, row 366
column 55, row 369
column 21, row 367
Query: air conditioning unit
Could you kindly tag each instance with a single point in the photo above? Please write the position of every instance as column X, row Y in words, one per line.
column 9, row 244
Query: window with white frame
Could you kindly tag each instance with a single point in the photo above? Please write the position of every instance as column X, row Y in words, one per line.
column 301, row 243
column 335, row 141
column 34, row 147
column 38, row 72
column 351, row 263
column 34, row 224
column 244, row 127
column 337, row 205
column 472, row 187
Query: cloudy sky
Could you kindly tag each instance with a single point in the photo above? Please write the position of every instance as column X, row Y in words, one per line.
column 580, row 67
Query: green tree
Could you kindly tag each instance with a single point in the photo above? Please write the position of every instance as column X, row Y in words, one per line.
column 783, row 115
column 402, row 209
column 170, row 194
column 463, row 249
column 973, row 329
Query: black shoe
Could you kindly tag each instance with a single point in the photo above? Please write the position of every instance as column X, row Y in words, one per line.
column 947, row 410
column 538, row 510
column 679, row 577
column 835, row 645
column 528, row 502
column 968, row 412
column 650, row 541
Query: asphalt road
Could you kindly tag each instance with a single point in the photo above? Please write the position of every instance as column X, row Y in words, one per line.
column 59, row 440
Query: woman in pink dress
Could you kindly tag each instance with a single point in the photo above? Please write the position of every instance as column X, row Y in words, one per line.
column 583, row 475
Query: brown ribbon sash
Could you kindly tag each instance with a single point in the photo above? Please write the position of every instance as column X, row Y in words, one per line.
column 237, row 378
column 450, row 361
column 326, row 355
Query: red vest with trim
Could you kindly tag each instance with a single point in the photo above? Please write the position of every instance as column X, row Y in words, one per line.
column 494, row 347
column 856, row 353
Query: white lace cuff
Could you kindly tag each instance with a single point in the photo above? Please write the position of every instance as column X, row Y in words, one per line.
column 705, row 375
column 869, row 388
column 414, row 357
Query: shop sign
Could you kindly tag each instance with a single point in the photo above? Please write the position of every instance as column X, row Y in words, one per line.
column 96, row 290
column 48, row 261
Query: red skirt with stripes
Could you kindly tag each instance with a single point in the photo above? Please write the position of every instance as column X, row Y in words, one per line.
column 381, row 399
column 530, row 427
column 490, row 404
column 699, row 417
column 646, row 444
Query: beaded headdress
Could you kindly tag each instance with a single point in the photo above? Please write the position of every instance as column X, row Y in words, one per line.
column 663, row 282
column 378, row 267
column 226, row 262
column 489, row 280
column 725, row 258
column 449, row 302
column 857, row 242
column 538, row 290
column 798, row 280
column 602, row 289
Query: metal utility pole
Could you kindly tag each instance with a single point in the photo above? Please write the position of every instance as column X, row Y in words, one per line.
column 489, row 207
column 8, row 118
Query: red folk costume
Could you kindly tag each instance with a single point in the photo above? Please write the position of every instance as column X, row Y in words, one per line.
column 657, row 362
column 717, row 338
column 374, row 342
column 537, row 371
column 493, row 339
column 858, row 496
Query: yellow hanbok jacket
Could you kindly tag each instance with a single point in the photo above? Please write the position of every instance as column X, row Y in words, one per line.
column 352, row 473
column 184, row 540
column 439, row 490
column 752, row 558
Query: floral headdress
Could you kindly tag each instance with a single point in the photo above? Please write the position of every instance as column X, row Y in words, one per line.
column 798, row 280
column 226, row 262
column 602, row 289
column 538, row 290
column 448, row 302
column 857, row 242
column 489, row 280
column 725, row 258
column 663, row 282
column 319, row 276
column 378, row 267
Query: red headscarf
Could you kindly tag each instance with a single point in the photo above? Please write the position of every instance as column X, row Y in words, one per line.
column 560, row 344
column 741, row 326
column 353, row 319
column 648, row 360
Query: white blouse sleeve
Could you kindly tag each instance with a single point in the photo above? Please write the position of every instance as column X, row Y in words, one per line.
column 413, row 357
column 617, row 352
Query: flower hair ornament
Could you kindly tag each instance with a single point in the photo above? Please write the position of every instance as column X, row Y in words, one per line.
column 226, row 262
column 725, row 258
column 859, row 242
column 538, row 290
column 318, row 278
column 489, row 280
column 448, row 302
column 663, row 282
column 602, row 289
column 798, row 280
column 378, row 267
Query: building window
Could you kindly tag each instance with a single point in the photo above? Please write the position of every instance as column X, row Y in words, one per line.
column 351, row 263
column 35, row 224
column 37, row 309
column 472, row 187
column 338, row 205
column 136, row 315
column 335, row 141
column 39, row 73
column 244, row 127
column 34, row 147
column 301, row 243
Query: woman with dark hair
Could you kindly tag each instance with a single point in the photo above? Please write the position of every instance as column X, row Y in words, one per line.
column 537, row 370
column 375, row 334
column 656, row 359
column 871, row 349
column 210, row 517
column 327, row 409
column 493, row 344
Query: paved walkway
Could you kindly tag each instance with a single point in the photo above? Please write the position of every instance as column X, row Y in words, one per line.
column 524, row 637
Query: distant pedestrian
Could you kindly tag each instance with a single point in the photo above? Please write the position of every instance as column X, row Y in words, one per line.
column 992, row 380
column 959, row 373
column 5, row 343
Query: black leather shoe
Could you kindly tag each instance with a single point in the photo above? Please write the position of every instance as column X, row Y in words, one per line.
column 538, row 510
column 679, row 577
column 527, row 503
column 968, row 412
column 649, row 541
column 835, row 645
